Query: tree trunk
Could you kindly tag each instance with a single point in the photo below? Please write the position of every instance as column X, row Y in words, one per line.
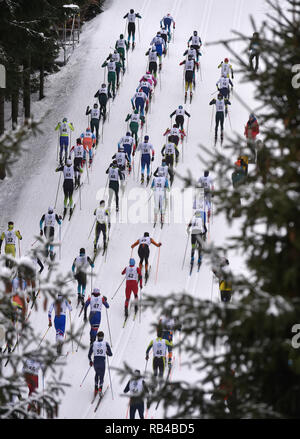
column 1, row 111
column 26, row 87
column 14, row 108
column 42, row 74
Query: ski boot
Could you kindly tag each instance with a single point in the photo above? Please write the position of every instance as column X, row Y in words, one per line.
column 216, row 138
column 199, row 263
column 146, row 275
column 104, row 246
column 65, row 212
column 52, row 256
column 78, row 299
column 59, row 348
column 185, row 97
column 192, row 264
column 96, row 391
column 90, row 162
column 222, row 137
column 142, row 179
column 148, row 179
column 133, row 46
column 126, row 312
column 82, row 300
column 100, row 390
column 71, row 211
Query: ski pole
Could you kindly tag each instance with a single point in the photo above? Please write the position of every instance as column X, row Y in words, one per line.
column 34, row 242
column 57, row 190
column 108, row 327
column 118, row 288
column 91, row 279
column 187, row 242
column 212, row 286
column 157, row 264
column 212, row 114
column 139, row 31
column 85, row 376
column 80, row 195
column 80, row 337
column 59, row 241
column 140, row 312
column 71, row 331
column 146, row 366
column 92, row 228
column 19, row 246
column 44, row 336
column 112, row 395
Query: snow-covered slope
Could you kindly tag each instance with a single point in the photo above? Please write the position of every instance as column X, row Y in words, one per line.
column 68, row 94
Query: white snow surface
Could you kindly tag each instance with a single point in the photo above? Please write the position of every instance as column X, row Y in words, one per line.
column 28, row 193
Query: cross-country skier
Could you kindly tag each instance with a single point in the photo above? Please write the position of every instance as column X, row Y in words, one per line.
column 122, row 161
column 111, row 75
column 166, row 35
column 189, row 75
column 195, row 42
column 116, row 57
column 139, row 101
column 251, row 132
column 152, row 59
column 79, row 153
column 68, row 187
column 166, row 21
column 174, row 134
column 59, row 306
column 95, row 119
column 138, row 390
column 95, row 301
column 208, row 185
column 103, row 94
column 169, row 325
column 170, row 154
column 65, row 129
column 28, row 270
column 150, row 78
column 133, row 278
column 254, row 51
column 222, row 271
column 223, row 86
column 147, row 155
column 114, row 175
column 160, row 347
column 102, row 223
column 88, row 142
column 127, row 142
column 49, row 219
column 145, row 87
column 198, row 230
column 221, row 109
column 135, row 118
column 79, row 269
column 10, row 237
column 179, row 118
column 131, row 16
column 160, row 46
column 122, row 45
column 144, row 251
column 31, row 368
column 226, row 68
column 159, row 186
column 193, row 53
column 164, row 168
column 99, row 348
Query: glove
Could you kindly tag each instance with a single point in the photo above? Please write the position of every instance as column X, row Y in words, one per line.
column 91, row 363
column 93, row 265
column 87, row 108
column 147, row 357
column 148, row 405
column 159, row 244
column 39, row 270
column 152, row 159
column 133, row 153
column 41, row 232
column 109, row 225
column 84, row 318
column 170, row 364
column 50, row 323
column 105, row 298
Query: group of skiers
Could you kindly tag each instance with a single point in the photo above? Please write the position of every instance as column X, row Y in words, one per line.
column 121, row 166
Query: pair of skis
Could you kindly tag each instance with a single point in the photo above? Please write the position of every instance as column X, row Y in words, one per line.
column 101, row 396
column 192, row 266
column 70, row 213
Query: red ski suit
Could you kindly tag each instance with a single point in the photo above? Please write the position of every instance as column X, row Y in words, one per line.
column 132, row 285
